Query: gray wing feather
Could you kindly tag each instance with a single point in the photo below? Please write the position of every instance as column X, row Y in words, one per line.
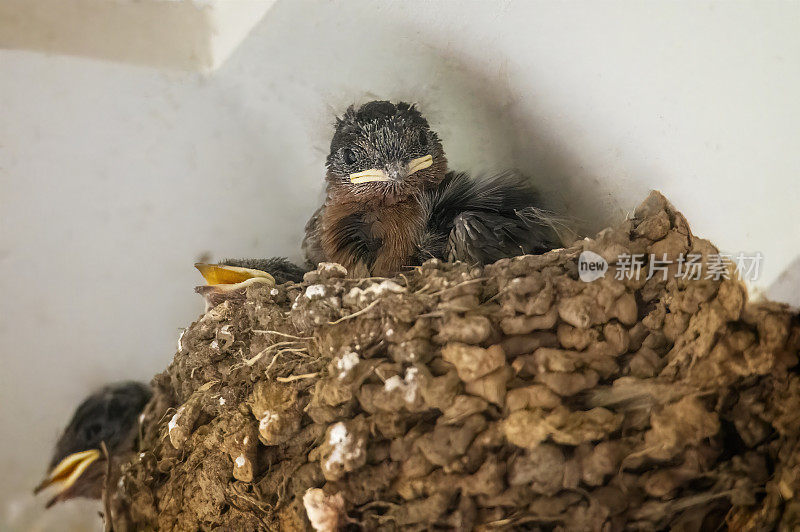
column 481, row 237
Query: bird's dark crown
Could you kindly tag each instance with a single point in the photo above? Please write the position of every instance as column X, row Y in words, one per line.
column 104, row 416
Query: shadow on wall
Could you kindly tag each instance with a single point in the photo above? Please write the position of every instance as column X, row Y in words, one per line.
column 510, row 133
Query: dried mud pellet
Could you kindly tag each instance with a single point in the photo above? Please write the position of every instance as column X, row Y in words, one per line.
column 673, row 427
column 415, row 466
column 275, row 407
column 463, row 406
column 488, row 480
column 180, row 426
column 526, row 428
column 445, row 443
column 645, row 363
column 528, row 343
column 525, row 324
column 625, row 309
column 325, row 512
column 541, row 467
column 440, row 392
column 675, row 324
column 491, row 387
column 566, row 384
column 344, row 448
column 275, row 428
column 473, row 362
column 467, row 329
column 599, row 461
column 581, row 311
column 617, row 337
column 241, row 445
column 576, row 338
column 535, row 303
column 421, row 511
column 534, row 396
column 654, row 227
column 576, row 427
column 390, row 424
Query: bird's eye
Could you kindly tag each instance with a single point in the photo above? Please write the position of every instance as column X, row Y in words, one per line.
column 423, row 139
column 349, row 157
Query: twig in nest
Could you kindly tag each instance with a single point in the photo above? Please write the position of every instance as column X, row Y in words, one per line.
column 301, row 351
column 251, row 361
column 272, row 362
column 462, row 283
column 297, row 377
column 262, row 331
column 355, row 314
column 422, row 290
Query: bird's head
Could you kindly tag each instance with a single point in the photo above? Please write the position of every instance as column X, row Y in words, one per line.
column 108, row 416
column 384, row 151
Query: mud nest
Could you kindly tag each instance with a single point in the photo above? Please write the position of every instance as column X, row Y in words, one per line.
column 514, row 396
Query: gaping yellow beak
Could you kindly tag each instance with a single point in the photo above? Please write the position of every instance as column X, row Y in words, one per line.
column 68, row 470
column 220, row 274
column 377, row 174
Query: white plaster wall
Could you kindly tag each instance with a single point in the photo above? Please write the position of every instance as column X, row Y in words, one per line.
column 115, row 179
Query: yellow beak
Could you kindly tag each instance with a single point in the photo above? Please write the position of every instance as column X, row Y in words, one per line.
column 68, row 470
column 220, row 274
column 377, row 174
column 369, row 176
column 420, row 163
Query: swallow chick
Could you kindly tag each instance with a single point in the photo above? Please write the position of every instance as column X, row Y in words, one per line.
column 110, row 416
column 229, row 279
column 392, row 202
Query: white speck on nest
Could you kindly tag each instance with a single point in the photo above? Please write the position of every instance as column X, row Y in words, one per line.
column 240, row 461
column 246, row 440
column 389, row 332
column 141, row 418
column 214, row 345
column 273, row 292
column 409, row 385
column 141, row 456
column 325, row 512
column 342, row 446
column 174, row 421
column 221, row 401
column 180, row 337
column 267, row 419
column 375, row 290
column 347, row 362
column 121, row 482
column 314, row 291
